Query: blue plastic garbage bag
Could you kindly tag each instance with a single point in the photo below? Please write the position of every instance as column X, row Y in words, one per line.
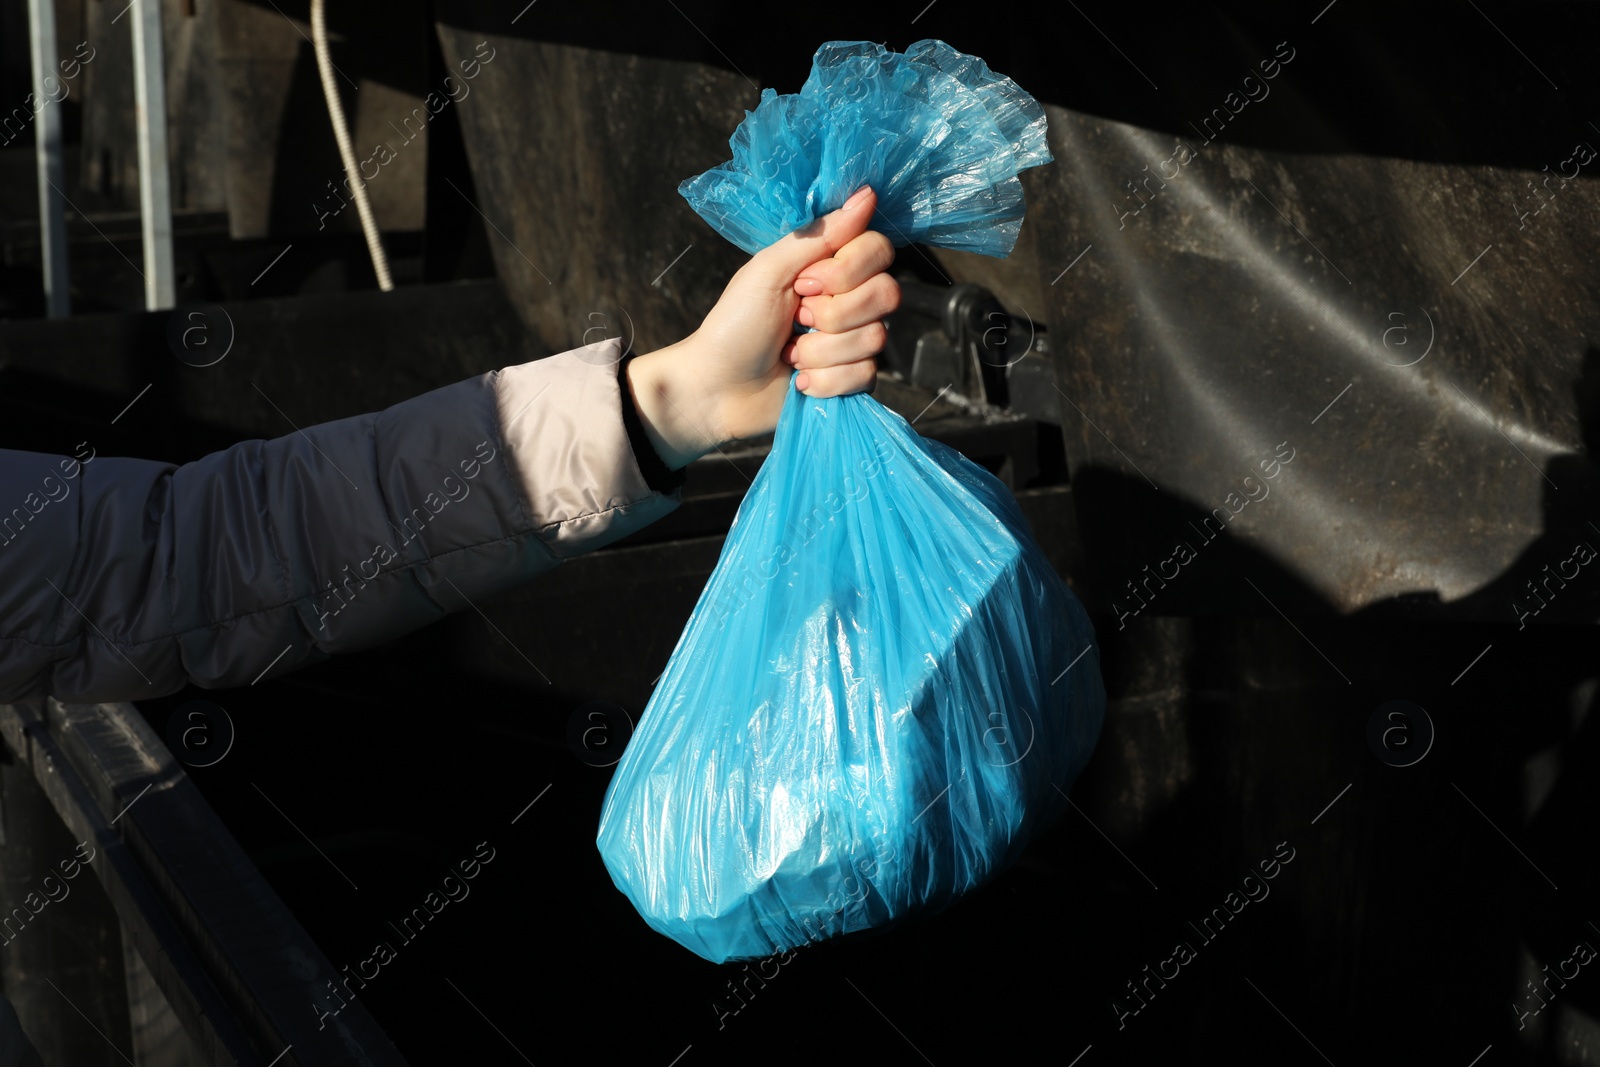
column 885, row 691
column 938, row 135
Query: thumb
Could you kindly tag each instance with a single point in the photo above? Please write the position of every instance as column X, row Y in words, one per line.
column 820, row 238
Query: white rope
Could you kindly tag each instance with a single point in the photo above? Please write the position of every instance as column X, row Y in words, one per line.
column 347, row 152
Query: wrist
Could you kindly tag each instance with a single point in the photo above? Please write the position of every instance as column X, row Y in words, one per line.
column 678, row 417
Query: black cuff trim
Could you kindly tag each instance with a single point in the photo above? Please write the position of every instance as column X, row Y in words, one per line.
column 657, row 475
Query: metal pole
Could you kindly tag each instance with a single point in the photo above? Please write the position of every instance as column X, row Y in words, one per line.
column 155, row 184
column 47, row 153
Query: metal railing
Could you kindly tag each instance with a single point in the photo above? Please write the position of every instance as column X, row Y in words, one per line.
column 231, row 962
column 155, row 182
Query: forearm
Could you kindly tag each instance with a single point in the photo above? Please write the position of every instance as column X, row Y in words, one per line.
column 678, row 418
column 686, row 413
column 267, row 554
column 271, row 555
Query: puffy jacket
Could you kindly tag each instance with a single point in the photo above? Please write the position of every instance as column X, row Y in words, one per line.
column 125, row 578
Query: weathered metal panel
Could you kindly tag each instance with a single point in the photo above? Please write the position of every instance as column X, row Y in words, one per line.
column 281, row 154
column 576, row 154
column 1384, row 321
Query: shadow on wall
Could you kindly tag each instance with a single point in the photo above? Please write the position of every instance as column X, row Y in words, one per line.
column 1170, row 72
column 1459, row 859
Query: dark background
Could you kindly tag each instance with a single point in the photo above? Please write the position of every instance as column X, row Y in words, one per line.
column 1420, row 899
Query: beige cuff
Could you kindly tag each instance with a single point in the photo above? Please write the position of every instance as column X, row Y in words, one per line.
column 561, row 419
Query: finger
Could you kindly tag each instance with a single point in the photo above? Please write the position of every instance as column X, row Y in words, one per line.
column 866, row 255
column 873, row 299
column 818, row 239
column 819, row 350
column 859, row 377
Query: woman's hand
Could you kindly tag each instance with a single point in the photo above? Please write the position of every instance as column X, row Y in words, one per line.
column 728, row 379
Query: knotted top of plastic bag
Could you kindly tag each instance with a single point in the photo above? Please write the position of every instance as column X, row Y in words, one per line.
column 938, row 135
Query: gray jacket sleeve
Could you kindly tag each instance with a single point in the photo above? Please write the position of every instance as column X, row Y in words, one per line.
column 124, row 579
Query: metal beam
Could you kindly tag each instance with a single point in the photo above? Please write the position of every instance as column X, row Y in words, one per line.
column 155, row 181
column 237, row 968
column 47, row 152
